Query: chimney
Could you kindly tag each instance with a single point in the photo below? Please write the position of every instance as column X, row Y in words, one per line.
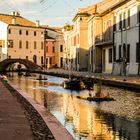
column 37, row 23
column 15, row 13
column 14, row 20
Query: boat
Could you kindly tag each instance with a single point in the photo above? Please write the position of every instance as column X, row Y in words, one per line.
column 74, row 84
column 89, row 84
column 96, row 99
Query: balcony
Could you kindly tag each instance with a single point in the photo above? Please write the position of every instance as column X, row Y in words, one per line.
column 104, row 39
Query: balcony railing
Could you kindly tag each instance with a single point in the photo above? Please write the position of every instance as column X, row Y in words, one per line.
column 104, row 39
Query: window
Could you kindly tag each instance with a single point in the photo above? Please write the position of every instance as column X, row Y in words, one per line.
column 9, row 31
column 78, row 58
column 46, row 61
column 110, row 55
column 128, row 53
column 128, row 22
column 34, row 44
column 138, row 14
column 20, row 32
column 27, row 57
column 50, row 60
column 42, row 45
column 53, row 49
column 10, row 43
column 74, row 40
column 34, row 33
column 138, row 53
column 120, row 21
column 35, row 59
column 45, row 34
column 109, row 30
column 114, row 26
column 9, row 57
column 27, row 44
column 120, row 46
column 27, row 33
column 124, row 20
column 114, row 53
column 46, row 48
column 61, row 62
column 61, row 48
column 41, row 59
column 77, row 38
column 20, row 44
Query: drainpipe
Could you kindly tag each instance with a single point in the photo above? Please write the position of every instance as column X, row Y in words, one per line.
column 121, row 49
column 139, row 45
column 114, row 24
column 102, row 47
column 7, row 39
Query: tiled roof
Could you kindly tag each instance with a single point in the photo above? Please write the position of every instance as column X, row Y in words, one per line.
column 19, row 20
column 56, row 29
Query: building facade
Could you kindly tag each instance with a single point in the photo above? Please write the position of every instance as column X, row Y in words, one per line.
column 76, row 42
column 3, row 41
column 23, row 39
column 49, row 52
column 57, row 46
column 127, row 38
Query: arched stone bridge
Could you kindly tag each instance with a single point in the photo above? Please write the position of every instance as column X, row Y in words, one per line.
column 28, row 64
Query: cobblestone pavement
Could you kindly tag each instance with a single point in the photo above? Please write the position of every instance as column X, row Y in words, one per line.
column 13, row 122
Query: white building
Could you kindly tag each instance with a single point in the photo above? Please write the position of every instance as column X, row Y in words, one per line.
column 3, row 41
column 127, row 38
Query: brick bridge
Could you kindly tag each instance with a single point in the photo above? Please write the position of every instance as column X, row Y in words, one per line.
column 28, row 64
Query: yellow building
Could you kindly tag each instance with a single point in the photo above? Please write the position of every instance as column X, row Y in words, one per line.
column 23, row 39
column 76, row 41
column 100, row 37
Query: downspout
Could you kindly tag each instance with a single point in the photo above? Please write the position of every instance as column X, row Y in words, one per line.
column 113, row 66
column 7, row 39
column 121, row 70
column 45, row 42
column 102, row 48
column 139, row 41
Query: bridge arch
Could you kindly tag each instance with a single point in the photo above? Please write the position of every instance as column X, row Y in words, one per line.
column 28, row 64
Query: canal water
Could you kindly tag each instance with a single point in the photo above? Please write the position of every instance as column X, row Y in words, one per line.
column 114, row 120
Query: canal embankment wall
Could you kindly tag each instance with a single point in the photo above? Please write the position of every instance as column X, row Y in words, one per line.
column 124, row 82
column 43, row 123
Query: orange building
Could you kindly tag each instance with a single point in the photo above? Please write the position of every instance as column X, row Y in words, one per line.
column 49, row 52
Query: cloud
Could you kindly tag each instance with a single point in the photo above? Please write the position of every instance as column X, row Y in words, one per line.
column 15, row 3
column 24, row 1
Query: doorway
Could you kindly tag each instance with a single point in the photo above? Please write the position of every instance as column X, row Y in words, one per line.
column 35, row 59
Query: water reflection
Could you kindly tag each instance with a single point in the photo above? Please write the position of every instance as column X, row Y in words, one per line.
column 83, row 119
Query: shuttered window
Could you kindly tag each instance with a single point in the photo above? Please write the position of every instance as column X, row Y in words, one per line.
column 114, row 53
column 128, row 53
column 138, row 53
column 120, row 51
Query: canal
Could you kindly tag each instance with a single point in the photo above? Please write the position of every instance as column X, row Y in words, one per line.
column 114, row 120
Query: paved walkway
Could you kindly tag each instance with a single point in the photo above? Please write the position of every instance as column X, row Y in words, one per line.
column 13, row 122
column 132, row 79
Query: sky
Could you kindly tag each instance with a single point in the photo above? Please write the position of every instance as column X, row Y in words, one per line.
column 48, row 12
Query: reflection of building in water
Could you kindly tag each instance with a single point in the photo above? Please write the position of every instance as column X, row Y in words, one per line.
column 86, row 121
column 35, row 93
column 123, row 127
